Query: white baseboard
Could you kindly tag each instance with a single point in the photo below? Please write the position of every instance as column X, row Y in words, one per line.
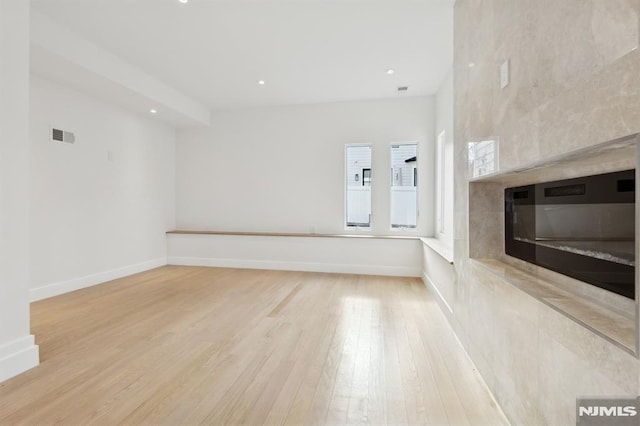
column 18, row 356
column 397, row 271
column 62, row 287
column 441, row 300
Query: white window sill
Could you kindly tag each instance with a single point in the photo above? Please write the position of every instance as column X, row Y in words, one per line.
column 289, row 234
column 444, row 250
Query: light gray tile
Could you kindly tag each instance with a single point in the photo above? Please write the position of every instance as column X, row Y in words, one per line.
column 516, row 353
column 565, row 376
column 600, row 355
column 574, row 83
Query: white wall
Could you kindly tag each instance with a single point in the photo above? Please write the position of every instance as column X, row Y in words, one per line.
column 395, row 257
column 99, row 207
column 438, row 272
column 17, row 350
column 444, row 122
column 282, row 169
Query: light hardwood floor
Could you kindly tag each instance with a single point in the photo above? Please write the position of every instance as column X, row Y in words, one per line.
column 188, row 345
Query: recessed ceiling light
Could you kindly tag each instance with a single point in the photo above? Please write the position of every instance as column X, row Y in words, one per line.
column 153, row 111
column 261, row 82
column 184, row 1
column 391, row 71
column 472, row 64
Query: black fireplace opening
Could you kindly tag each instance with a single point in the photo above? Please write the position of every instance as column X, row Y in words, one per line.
column 583, row 228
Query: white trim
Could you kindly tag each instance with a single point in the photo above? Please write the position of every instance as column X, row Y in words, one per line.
column 398, row 271
column 440, row 182
column 437, row 246
column 346, row 187
column 61, row 287
column 432, row 287
column 389, row 224
column 18, row 356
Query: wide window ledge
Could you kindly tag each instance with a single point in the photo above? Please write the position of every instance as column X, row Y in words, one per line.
column 292, row 234
column 444, row 250
column 610, row 324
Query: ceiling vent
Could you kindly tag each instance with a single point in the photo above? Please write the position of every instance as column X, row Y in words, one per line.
column 402, row 89
column 58, row 135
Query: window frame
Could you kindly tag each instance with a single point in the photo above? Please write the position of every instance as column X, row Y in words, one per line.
column 345, row 183
column 440, row 182
column 415, row 184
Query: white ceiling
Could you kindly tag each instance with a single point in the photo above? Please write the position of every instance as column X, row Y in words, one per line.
column 307, row 51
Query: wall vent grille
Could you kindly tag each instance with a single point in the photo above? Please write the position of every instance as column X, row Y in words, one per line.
column 58, row 135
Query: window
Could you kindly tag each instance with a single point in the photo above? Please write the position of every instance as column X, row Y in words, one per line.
column 404, row 186
column 366, row 177
column 440, row 191
column 444, row 188
column 358, row 186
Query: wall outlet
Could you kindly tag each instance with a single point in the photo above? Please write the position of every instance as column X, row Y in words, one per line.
column 504, row 74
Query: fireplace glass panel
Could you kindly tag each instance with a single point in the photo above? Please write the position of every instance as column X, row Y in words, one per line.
column 603, row 231
column 583, row 228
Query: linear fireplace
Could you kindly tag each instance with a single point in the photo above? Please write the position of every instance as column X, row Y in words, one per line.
column 583, row 228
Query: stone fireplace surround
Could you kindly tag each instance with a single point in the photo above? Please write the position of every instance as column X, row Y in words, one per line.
column 574, row 83
column 612, row 317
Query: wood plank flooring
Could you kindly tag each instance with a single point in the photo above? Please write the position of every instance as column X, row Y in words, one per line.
column 189, row 345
